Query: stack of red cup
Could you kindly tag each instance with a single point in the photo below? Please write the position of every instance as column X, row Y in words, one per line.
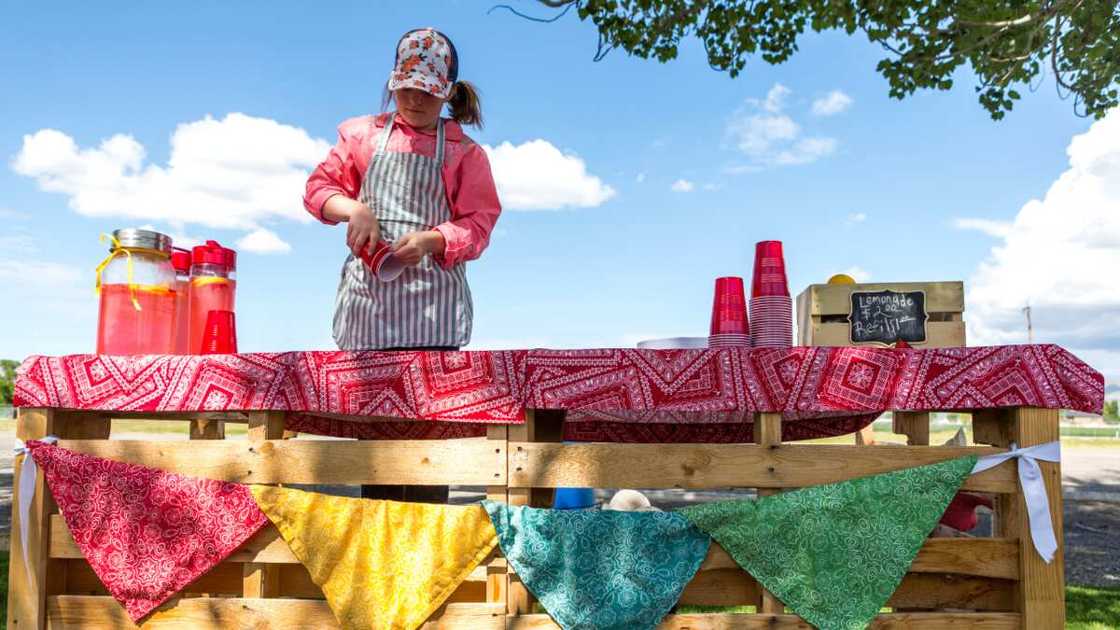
column 771, row 307
column 730, row 327
column 220, row 335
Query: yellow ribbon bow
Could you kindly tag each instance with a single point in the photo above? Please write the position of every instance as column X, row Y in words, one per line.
column 113, row 253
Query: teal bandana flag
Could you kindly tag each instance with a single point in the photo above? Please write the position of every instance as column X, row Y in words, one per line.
column 600, row 569
column 835, row 553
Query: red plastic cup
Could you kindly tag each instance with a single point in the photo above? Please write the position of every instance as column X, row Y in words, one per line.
column 382, row 262
column 729, row 308
column 769, row 270
column 220, row 336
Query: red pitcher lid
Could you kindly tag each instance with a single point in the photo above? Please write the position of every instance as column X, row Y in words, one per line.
column 181, row 260
column 214, row 254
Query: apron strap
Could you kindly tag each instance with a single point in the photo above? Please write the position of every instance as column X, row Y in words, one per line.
column 440, row 136
column 385, row 133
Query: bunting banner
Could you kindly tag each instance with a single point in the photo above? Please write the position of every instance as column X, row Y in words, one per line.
column 835, row 553
column 145, row 532
column 600, row 570
column 381, row 564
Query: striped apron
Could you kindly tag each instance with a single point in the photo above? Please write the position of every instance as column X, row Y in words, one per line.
column 427, row 305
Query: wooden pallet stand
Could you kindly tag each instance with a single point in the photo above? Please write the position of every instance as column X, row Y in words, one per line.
column 982, row 583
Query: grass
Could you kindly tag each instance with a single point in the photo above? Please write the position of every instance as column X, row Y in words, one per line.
column 1087, row 608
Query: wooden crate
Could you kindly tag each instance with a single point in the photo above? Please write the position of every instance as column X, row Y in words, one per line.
column 822, row 312
column 990, row 583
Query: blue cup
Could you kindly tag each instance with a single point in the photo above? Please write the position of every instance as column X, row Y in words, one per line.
column 573, row 499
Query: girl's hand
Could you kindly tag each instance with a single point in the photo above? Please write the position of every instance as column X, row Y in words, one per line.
column 362, row 229
column 411, row 248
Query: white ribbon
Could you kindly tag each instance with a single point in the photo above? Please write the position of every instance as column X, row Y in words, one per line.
column 1034, row 490
column 27, row 476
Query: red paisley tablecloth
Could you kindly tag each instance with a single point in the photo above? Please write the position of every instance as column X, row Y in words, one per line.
column 609, row 394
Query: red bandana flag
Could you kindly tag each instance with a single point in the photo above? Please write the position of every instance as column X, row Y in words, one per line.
column 146, row 533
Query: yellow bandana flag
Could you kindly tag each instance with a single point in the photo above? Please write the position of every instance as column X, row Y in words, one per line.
column 381, row 564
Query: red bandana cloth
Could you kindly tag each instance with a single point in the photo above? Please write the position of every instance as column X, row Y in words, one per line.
column 621, row 394
column 145, row 532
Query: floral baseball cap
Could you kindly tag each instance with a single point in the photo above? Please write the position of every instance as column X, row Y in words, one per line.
column 426, row 60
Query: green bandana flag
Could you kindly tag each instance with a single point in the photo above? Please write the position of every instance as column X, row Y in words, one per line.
column 835, row 553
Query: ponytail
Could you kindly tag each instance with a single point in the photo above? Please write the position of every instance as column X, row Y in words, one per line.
column 466, row 108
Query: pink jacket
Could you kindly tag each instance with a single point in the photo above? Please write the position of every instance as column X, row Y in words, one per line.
column 466, row 178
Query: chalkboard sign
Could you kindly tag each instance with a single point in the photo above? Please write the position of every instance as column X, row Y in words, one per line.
column 887, row 316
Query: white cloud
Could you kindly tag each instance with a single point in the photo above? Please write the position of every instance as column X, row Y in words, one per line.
column 17, row 243
column 641, row 178
column 1061, row 254
column 521, row 343
column 832, row 103
column 768, row 136
column 857, row 217
column 231, row 173
column 536, row 175
column 775, row 98
column 57, row 308
column 998, row 229
column 805, row 151
column 858, row 274
column 682, row 186
column 262, row 241
column 758, row 134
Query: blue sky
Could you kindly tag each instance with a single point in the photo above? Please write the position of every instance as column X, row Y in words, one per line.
column 881, row 186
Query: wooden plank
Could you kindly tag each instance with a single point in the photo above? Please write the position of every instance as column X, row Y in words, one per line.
column 519, row 601
column 224, row 579
column 497, row 580
column 834, row 299
column 548, row 426
column 904, row 621
column 265, row 425
column 721, row 587
column 104, row 613
column 261, row 579
column 933, row 591
column 601, row 465
column 27, row 575
column 990, row 426
column 950, row 334
column 768, row 435
column 914, row 425
column 981, row 557
column 1042, row 586
column 416, row 462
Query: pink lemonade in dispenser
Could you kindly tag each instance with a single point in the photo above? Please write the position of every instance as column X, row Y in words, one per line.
column 136, row 285
column 181, row 262
column 213, row 286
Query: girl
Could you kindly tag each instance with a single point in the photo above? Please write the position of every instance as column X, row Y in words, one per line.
column 415, row 180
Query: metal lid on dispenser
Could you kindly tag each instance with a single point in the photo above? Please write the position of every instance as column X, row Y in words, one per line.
column 136, row 238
